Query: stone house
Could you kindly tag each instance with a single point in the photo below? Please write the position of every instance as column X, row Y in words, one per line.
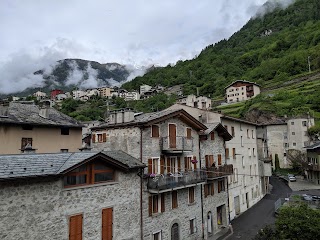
column 246, row 186
column 241, row 90
column 43, row 128
column 313, row 157
column 73, row 196
column 168, row 142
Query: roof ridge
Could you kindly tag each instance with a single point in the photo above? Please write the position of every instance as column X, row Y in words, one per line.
column 65, row 162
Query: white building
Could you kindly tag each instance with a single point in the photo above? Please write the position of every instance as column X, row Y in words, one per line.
column 92, row 92
column 241, row 90
column 40, row 95
column 144, row 88
column 200, row 102
column 78, row 94
column 130, row 96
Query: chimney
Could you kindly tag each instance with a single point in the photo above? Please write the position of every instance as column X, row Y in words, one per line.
column 85, row 148
column 44, row 109
column 4, row 106
column 121, row 116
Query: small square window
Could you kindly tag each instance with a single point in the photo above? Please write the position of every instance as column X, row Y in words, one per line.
column 293, row 133
column 304, row 123
column 64, row 150
column 64, row 131
column 294, row 144
column 292, row 123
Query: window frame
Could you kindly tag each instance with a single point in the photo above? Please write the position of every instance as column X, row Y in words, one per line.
column 27, row 141
column 156, row 133
column 188, row 133
column 193, row 225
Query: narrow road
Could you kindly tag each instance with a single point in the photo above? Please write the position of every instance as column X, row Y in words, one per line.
column 251, row 221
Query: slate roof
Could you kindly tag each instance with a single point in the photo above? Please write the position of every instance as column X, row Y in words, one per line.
column 219, row 128
column 54, row 164
column 19, row 113
column 313, row 146
column 243, row 81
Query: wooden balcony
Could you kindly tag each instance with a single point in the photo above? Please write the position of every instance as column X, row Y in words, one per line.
column 170, row 182
column 220, row 171
column 176, row 145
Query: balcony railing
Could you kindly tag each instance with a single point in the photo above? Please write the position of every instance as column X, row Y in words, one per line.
column 170, row 181
column 314, row 167
column 177, row 144
column 220, row 171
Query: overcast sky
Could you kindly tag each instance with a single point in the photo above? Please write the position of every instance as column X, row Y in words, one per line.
column 36, row 33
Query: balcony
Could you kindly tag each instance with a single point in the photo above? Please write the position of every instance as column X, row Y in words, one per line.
column 170, row 182
column 220, row 171
column 176, row 144
column 313, row 167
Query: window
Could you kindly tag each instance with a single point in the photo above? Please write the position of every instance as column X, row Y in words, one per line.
column 241, row 142
column 227, row 153
column 188, row 133
column 212, row 136
column 64, row 150
column 90, row 173
column 232, row 132
column 188, row 164
column 64, row 131
column 191, row 195
column 253, row 152
column 226, row 127
column 193, row 226
column 294, row 144
column 156, row 203
column 234, row 153
column 107, row 223
column 292, row 123
column 209, row 189
column 155, row 131
column 25, row 142
column 249, row 152
column 75, row 227
column 209, row 161
column 174, row 196
column 219, row 159
column 293, row 133
column 101, row 137
column 221, row 187
column 248, row 133
column 284, row 154
column 252, row 134
column 154, row 165
column 304, row 123
column 157, row 236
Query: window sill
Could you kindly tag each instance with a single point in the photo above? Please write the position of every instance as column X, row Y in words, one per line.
column 156, row 214
column 191, row 204
column 89, row 186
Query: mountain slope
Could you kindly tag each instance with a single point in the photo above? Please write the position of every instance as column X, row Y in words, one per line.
column 267, row 50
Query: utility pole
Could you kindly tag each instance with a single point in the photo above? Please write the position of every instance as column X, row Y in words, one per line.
column 309, row 64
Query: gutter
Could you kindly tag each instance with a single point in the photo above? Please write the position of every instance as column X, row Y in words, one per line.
column 141, row 185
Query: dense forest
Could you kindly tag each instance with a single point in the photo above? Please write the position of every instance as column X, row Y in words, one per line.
column 268, row 50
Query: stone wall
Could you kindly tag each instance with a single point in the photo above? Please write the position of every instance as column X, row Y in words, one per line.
column 40, row 209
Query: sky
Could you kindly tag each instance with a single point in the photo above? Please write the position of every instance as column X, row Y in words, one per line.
column 35, row 34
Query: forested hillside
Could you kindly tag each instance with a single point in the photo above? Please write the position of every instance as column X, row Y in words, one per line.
column 268, row 50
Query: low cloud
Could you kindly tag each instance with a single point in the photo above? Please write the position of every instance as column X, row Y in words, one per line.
column 271, row 5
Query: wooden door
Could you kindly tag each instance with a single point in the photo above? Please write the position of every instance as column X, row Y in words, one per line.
column 75, row 227
column 107, row 223
column 172, row 136
column 175, row 232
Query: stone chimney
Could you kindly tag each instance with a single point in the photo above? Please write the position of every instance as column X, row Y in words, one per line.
column 4, row 106
column 44, row 109
column 121, row 116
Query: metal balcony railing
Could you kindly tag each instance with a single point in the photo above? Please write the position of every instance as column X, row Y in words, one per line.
column 220, row 171
column 177, row 180
column 177, row 144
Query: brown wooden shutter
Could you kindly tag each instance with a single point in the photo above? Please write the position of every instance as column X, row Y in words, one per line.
column 104, row 137
column 212, row 136
column 188, row 133
column 107, row 221
column 149, row 165
column 155, row 131
column 161, row 164
column 207, row 161
column 150, row 206
column 168, row 165
column 75, row 227
column 212, row 188
column 179, row 164
column 206, row 190
column 219, row 159
column 195, row 164
column 162, row 202
column 93, row 137
column 174, row 199
column 227, row 152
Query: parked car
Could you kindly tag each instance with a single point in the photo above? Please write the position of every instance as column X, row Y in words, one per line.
column 292, row 178
column 307, row 197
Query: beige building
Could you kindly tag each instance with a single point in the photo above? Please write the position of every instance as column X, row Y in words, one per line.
column 105, row 92
column 44, row 129
column 241, row 90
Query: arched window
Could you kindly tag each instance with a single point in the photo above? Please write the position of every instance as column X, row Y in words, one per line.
column 175, row 232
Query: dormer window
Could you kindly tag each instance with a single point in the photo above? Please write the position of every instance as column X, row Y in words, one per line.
column 91, row 173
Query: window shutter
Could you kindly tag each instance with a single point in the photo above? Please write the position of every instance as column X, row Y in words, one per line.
column 162, row 202
column 104, row 137
column 161, row 164
column 212, row 136
column 212, row 188
column 219, row 186
column 75, row 227
column 150, row 206
column 205, row 190
column 179, row 164
column 168, row 166
column 107, row 221
column 195, row 164
column 188, row 133
column 185, row 163
column 207, row 161
column 219, row 159
column 149, row 165
column 227, row 152
column 93, row 137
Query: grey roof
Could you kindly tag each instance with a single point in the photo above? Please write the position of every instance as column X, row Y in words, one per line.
column 19, row 113
column 244, row 81
column 211, row 127
column 313, row 146
column 217, row 126
column 36, row 165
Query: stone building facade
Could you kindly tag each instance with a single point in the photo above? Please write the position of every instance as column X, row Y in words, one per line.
column 173, row 187
column 36, row 204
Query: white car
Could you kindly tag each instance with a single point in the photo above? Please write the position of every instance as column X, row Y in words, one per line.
column 292, row 178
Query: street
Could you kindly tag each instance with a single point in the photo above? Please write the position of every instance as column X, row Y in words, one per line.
column 250, row 222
